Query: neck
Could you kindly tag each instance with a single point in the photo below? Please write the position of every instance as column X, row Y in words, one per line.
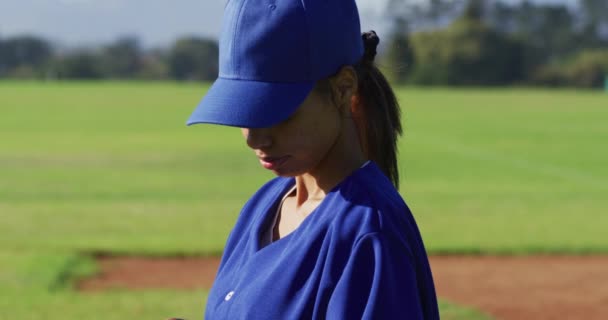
column 344, row 157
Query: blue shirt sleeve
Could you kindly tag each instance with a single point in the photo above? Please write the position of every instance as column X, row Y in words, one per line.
column 379, row 282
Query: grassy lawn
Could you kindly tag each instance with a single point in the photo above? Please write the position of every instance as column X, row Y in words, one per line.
column 510, row 171
column 111, row 167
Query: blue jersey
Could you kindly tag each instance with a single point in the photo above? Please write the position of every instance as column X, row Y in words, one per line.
column 358, row 255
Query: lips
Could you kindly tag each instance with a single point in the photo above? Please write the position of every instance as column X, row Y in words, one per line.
column 272, row 163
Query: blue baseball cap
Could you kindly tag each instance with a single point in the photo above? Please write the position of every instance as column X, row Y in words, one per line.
column 272, row 53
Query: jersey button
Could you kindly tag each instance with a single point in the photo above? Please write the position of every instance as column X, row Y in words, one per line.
column 229, row 296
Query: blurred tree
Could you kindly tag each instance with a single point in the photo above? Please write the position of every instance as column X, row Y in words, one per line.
column 549, row 29
column 194, row 58
column 399, row 56
column 81, row 64
column 423, row 14
column 121, row 59
column 595, row 13
column 467, row 53
column 3, row 54
column 409, row 16
column 587, row 69
column 550, row 32
column 501, row 17
column 474, row 11
column 154, row 65
column 24, row 52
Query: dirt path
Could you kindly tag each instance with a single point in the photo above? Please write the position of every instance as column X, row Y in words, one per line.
column 536, row 287
column 150, row 273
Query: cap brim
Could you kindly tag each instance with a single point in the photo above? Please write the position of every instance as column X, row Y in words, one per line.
column 249, row 104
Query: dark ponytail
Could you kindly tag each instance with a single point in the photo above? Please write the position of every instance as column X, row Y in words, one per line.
column 378, row 110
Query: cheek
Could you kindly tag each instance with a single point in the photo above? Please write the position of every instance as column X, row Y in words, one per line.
column 319, row 136
column 308, row 140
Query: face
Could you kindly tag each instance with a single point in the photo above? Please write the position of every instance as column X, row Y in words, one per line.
column 298, row 144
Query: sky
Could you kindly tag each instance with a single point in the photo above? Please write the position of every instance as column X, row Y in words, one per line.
column 74, row 23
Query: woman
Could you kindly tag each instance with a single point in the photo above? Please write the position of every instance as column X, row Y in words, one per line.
column 330, row 237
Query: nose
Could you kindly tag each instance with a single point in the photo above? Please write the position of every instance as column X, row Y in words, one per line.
column 257, row 138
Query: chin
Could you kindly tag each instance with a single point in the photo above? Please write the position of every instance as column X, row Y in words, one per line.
column 284, row 174
column 288, row 172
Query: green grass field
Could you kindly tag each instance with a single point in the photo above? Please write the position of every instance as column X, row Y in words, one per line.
column 111, row 167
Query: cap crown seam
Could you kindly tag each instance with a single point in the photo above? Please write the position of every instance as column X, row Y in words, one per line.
column 237, row 27
column 311, row 72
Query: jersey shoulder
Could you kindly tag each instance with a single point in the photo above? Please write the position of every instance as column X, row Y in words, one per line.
column 371, row 204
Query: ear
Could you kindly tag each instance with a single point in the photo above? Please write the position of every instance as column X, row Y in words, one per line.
column 344, row 86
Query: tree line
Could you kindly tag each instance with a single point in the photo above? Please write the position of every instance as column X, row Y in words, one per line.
column 485, row 42
column 188, row 58
column 432, row 42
